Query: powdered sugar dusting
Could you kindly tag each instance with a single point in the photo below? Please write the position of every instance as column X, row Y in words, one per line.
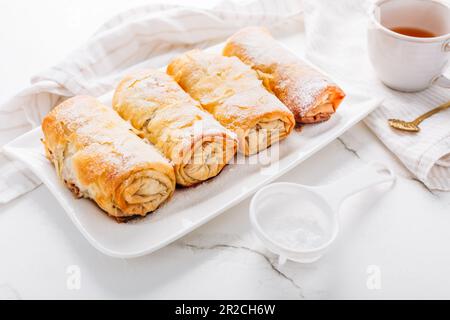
column 302, row 95
column 176, row 124
column 230, row 90
column 99, row 130
column 295, row 82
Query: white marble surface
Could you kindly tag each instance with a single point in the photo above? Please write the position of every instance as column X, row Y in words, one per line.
column 393, row 244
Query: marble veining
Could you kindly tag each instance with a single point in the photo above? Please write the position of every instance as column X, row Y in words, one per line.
column 273, row 265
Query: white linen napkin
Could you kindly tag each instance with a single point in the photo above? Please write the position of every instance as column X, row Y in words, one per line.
column 336, row 41
column 144, row 36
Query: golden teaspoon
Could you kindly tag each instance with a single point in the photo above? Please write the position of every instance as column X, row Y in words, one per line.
column 413, row 126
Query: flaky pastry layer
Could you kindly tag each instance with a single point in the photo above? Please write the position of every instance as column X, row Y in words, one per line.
column 309, row 94
column 198, row 146
column 232, row 92
column 97, row 156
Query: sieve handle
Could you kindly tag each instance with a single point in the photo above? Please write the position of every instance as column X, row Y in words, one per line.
column 369, row 176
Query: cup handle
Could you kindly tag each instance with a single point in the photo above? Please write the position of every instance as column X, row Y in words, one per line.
column 442, row 81
column 446, row 46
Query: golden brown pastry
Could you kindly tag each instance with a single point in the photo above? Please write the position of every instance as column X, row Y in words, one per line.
column 309, row 94
column 198, row 146
column 233, row 94
column 97, row 156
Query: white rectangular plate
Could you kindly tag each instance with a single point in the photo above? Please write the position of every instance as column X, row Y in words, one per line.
column 190, row 207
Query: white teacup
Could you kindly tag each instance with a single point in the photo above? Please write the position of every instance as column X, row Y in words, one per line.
column 409, row 63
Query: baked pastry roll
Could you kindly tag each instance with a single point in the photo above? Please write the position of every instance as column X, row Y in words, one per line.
column 98, row 157
column 308, row 93
column 198, row 146
column 233, row 94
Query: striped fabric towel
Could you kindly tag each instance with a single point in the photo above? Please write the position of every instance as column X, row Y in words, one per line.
column 145, row 36
column 336, row 40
